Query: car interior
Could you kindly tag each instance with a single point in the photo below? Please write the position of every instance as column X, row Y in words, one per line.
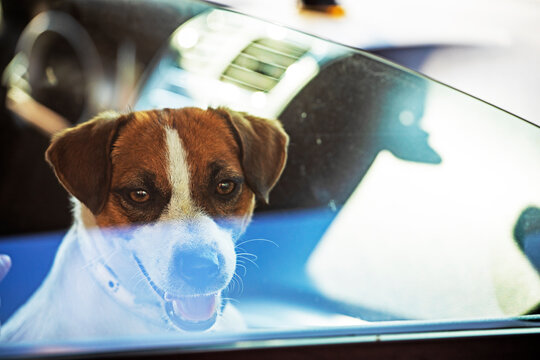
column 405, row 206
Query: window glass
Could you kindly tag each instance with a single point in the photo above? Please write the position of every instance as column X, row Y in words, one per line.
column 402, row 203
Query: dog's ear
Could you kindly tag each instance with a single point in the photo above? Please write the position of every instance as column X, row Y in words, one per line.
column 263, row 145
column 80, row 157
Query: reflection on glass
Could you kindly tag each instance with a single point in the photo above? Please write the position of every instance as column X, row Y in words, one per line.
column 401, row 199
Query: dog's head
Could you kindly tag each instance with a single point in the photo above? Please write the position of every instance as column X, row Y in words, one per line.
column 184, row 183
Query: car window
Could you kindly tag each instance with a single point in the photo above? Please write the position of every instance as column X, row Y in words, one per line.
column 385, row 201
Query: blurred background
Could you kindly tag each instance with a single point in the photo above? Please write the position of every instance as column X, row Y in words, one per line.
column 63, row 61
column 487, row 48
column 94, row 58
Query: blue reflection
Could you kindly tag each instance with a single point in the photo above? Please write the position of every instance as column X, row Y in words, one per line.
column 527, row 235
column 32, row 257
column 272, row 257
column 400, row 129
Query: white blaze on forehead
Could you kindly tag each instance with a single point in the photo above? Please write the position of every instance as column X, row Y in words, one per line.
column 181, row 204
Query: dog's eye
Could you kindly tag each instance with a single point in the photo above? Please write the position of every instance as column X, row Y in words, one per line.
column 225, row 187
column 139, row 196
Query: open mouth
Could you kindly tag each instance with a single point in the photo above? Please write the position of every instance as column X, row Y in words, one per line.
column 189, row 313
column 192, row 313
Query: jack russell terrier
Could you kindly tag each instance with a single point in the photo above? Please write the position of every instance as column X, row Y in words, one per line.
column 160, row 198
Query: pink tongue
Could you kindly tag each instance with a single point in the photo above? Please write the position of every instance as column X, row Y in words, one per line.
column 196, row 308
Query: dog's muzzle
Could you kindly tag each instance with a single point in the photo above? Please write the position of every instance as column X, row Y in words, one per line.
column 189, row 313
column 192, row 313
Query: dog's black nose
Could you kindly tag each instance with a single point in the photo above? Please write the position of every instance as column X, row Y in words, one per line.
column 196, row 268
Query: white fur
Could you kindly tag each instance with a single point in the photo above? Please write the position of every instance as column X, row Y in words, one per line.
column 181, row 205
column 73, row 302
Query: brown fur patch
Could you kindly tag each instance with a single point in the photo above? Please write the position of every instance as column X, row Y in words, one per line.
column 139, row 161
column 106, row 160
column 80, row 158
column 213, row 156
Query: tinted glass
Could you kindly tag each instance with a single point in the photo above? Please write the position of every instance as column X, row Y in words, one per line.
column 401, row 200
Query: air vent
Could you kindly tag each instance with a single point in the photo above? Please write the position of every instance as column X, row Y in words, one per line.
column 260, row 66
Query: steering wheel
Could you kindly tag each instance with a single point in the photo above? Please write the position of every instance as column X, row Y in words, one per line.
column 56, row 78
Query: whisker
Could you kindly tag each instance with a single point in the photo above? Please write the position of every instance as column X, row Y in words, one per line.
column 232, row 284
column 243, row 267
column 240, row 249
column 241, row 282
column 252, row 240
column 251, row 261
column 242, row 255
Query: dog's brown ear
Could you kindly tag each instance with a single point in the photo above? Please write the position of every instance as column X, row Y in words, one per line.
column 80, row 157
column 263, row 145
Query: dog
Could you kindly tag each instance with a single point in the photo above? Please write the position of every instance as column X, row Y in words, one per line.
column 160, row 197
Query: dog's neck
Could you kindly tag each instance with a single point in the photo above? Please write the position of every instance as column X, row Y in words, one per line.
column 88, row 273
column 117, row 274
column 76, row 287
